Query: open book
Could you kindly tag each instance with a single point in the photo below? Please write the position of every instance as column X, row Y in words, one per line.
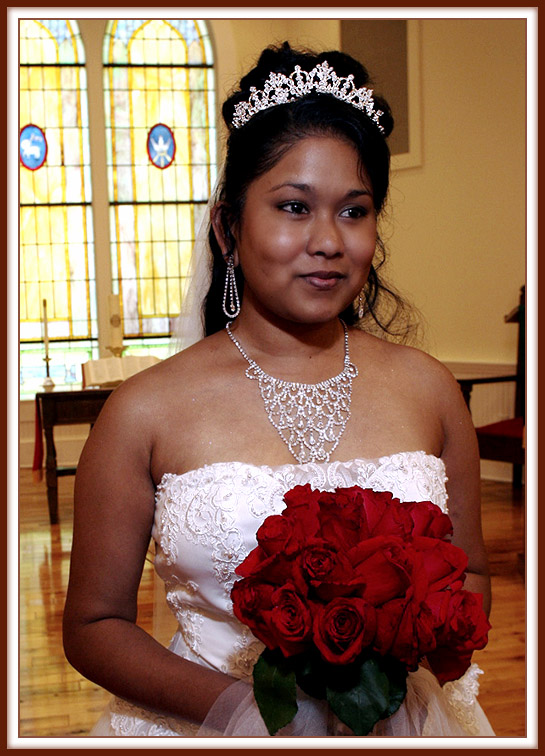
column 111, row 371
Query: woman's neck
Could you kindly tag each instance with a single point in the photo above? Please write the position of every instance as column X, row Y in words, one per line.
column 305, row 352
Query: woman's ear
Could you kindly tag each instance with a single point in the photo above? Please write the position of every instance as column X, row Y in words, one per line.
column 224, row 236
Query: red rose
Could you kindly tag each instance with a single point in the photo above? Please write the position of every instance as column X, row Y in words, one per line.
column 443, row 562
column 415, row 635
column 279, row 538
column 291, row 620
column 437, row 602
column 343, row 628
column 252, row 605
column 465, row 630
column 341, row 516
column 429, row 520
column 449, row 664
column 303, row 497
column 276, row 569
column 327, row 571
column 466, row 625
column 383, row 569
column 385, row 515
column 405, row 630
column 301, row 512
column 388, row 619
column 276, row 535
column 252, row 562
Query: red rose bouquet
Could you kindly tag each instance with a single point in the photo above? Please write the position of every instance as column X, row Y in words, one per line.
column 348, row 591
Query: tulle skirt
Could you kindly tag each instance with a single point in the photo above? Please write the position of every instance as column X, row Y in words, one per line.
column 428, row 710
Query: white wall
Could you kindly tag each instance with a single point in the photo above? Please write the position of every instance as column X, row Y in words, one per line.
column 458, row 243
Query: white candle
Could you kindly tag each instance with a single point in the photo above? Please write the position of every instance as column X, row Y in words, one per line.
column 46, row 334
column 116, row 330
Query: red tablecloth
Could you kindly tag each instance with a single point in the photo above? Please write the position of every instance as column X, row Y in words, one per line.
column 37, row 464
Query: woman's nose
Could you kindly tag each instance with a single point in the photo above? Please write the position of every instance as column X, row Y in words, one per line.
column 325, row 237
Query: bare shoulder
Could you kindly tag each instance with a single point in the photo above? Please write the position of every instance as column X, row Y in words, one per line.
column 427, row 371
column 414, row 367
column 146, row 403
column 149, row 389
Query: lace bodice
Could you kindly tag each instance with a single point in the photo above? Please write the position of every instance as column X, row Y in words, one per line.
column 205, row 525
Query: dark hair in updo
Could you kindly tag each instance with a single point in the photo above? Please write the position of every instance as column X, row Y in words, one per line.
column 261, row 142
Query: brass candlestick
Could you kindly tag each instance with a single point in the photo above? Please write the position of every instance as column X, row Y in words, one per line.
column 48, row 383
column 115, row 323
column 116, row 351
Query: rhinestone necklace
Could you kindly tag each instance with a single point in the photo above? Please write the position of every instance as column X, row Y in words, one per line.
column 310, row 417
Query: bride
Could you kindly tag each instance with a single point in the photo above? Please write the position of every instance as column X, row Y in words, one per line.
column 196, row 452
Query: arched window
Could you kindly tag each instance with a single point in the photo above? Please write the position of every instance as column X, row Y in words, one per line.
column 161, row 155
column 56, row 242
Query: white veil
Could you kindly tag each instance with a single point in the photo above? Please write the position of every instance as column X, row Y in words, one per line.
column 189, row 325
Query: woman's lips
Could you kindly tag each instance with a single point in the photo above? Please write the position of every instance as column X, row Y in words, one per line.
column 323, row 280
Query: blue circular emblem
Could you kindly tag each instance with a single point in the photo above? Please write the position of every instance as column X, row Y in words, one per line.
column 161, row 145
column 32, row 147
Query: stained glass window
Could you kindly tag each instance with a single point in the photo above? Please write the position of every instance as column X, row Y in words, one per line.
column 160, row 120
column 56, row 239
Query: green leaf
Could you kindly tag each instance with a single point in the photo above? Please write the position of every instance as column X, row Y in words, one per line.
column 310, row 672
column 397, row 678
column 275, row 690
column 377, row 693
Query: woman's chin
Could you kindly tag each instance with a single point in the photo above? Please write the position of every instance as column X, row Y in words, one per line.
column 303, row 311
column 313, row 317
column 322, row 314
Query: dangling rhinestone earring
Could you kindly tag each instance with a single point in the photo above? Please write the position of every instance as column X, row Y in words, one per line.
column 361, row 306
column 231, row 308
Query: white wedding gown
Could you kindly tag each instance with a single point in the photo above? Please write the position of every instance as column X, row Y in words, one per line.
column 205, row 525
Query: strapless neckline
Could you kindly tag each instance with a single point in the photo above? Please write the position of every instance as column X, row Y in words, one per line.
column 381, row 460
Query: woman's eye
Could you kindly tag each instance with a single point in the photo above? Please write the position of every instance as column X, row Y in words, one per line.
column 293, row 207
column 355, row 212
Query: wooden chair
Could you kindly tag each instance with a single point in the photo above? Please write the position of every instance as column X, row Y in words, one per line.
column 504, row 441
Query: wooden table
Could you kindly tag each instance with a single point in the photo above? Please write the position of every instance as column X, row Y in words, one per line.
column 64, row 408
column 467, row 382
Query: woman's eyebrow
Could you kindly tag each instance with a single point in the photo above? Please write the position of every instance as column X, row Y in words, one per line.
column 308, row 188
column 358, row 193
column 293, row 185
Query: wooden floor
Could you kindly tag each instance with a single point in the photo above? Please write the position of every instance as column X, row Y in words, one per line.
column 56, row 701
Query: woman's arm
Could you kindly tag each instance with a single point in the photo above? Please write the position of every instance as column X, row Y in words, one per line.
column 461, row 456
column 113, row 517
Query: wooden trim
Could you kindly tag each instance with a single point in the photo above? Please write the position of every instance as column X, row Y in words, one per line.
column 413, row 157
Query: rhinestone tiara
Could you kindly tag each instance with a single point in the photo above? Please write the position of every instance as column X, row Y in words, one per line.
column 280, row 89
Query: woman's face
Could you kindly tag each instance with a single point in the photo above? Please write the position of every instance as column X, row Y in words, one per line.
column 307, row 234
